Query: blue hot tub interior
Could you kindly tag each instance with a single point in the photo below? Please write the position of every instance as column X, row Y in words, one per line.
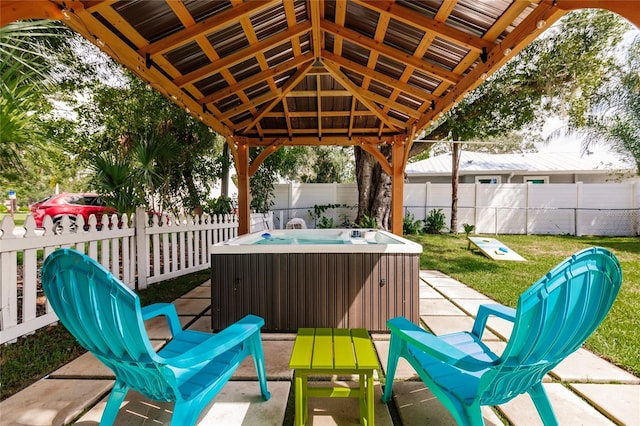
column 280, row 240
column 354, row 237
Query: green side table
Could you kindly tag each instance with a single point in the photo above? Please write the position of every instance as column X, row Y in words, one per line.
column 334, row 351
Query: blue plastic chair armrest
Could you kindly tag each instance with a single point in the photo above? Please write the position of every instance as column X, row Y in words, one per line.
column 433, row 345
column 484, row 311
column 217, row 344
column 166, row 309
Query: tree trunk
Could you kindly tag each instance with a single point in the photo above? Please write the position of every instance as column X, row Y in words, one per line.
column 455, row 165
column 194, row 194
column 374, row 188
column 374, row 185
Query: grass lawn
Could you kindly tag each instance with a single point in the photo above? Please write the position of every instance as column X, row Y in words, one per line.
column 617, row 338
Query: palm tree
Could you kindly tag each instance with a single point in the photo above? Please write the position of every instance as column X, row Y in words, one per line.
column 25, row 76
column 620, row 127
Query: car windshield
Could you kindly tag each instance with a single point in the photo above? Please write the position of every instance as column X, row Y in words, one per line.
column 43, row 200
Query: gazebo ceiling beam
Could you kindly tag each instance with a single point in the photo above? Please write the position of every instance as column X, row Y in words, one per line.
column 221, row 20
column 361, row 95
column 377, row 76
column 386, row 131
column 327, row 140
column 426, row 24
column 259, row 77
column 442, row 15
column 281, row 94
column 244, row 54
column 316, row 34
column 85, row 23
column 390, row 52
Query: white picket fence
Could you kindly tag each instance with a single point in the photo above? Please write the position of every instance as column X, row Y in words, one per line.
column 139, row 252
column 573, row 209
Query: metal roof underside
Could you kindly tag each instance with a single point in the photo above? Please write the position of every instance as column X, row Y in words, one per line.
column 535, row 162
column 307, row 71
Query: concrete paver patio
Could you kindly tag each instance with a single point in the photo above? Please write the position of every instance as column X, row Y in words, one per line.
column 584, row 389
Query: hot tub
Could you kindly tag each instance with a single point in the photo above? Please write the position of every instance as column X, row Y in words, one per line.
column 294, row 278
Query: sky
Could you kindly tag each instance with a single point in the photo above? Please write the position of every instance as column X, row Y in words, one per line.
column 567, row 143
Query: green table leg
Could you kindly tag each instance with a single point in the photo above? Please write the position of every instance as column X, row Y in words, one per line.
column 370, row 398
column 362, row 398
column 301, row 399
column 305, row 399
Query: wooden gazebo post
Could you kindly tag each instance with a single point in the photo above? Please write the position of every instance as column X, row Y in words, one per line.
column 241, row 160
column 397, row 185
column 399, row 157
column 239, row 147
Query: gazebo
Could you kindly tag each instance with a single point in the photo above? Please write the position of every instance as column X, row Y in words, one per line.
column 274, row 73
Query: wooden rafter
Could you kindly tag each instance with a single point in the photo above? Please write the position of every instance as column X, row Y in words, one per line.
column 361, row 95
column 433, row 26
column 224, row 19
column 442, row 15
column 313, row 140
column 316, row 35
column 378, row 37
column 243, row 55
column 253, row 80
column 187, row 20
column 281, row 94
column 390, row 52
column 398, row 85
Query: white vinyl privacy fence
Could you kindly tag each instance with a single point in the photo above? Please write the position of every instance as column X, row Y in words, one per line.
column 138, row 252
column 564, row 209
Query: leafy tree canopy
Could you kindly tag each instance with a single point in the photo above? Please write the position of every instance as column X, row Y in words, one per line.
column 560, row 73
column 31, row 163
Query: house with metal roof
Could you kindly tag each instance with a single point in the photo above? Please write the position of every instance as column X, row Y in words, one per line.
column 547, row 167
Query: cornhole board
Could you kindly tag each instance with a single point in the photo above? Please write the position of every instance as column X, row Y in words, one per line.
column 495, row 250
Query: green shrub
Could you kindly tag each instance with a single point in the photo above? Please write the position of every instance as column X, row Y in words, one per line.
column 325, row 223
column 411, row 226
column 435, row 222
column 219, row 206
column 368, row 222
column 468, row 229
column 322, row 221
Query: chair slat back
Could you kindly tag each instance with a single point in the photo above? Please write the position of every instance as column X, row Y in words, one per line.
column 105, row 317
column 554, row 318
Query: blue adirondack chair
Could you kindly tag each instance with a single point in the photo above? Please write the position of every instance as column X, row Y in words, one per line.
column 106, row 318
column 553, row 319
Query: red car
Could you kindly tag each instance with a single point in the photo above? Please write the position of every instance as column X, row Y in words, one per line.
column 71, row 205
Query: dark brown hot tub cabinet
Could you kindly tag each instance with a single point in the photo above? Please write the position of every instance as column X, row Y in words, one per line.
column 293, row 290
